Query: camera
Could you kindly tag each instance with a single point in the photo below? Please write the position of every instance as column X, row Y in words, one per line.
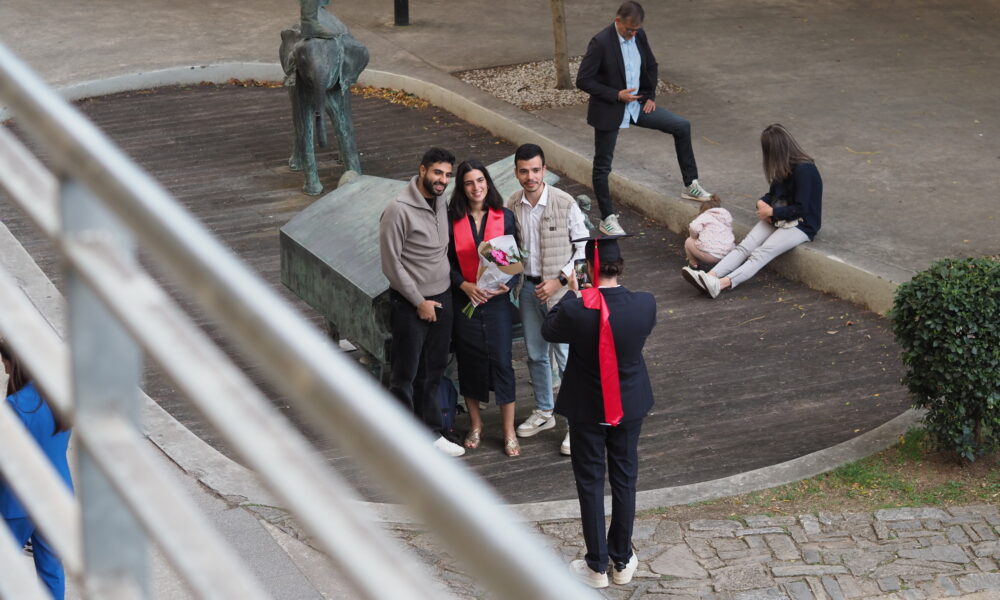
column 580, row 270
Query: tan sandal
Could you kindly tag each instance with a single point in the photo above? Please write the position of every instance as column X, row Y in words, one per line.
column 472, row 438
column 511, row 447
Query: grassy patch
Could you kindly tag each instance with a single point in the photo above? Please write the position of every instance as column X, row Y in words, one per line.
column 910, row 473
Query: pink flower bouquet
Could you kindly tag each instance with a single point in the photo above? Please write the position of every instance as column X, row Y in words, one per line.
column 499, row 260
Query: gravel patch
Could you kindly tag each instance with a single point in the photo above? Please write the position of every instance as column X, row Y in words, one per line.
column 532, row 86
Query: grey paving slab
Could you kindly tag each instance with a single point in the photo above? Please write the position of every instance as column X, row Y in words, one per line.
column 678, row 562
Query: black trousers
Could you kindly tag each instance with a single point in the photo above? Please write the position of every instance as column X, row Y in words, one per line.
column 419, row 357
column 589, row 442
column 660, row 119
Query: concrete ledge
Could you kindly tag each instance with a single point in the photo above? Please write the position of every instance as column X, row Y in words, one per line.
column 812, row 266
column 790, row 471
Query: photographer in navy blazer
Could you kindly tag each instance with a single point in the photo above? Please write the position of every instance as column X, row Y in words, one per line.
column 604, row 395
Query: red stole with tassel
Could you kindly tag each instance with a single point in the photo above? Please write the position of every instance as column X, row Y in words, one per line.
column 606, row 354
column 465, row 242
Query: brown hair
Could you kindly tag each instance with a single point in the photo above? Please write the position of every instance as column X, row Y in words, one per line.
column 781, row 153
column 713, row 202
column 18, row 378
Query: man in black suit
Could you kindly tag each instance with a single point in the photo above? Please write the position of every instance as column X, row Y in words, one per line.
column 620, row 73
column 605, row 394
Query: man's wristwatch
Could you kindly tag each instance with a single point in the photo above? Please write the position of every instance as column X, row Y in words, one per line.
column 562, row 279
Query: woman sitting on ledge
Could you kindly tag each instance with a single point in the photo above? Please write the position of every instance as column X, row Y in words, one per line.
column 789, row 214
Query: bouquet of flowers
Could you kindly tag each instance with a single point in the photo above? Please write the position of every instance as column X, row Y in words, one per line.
column 499, row 260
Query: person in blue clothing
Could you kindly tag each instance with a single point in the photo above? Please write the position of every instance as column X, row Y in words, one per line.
column 788, row 214
column 53, row 438
column 605, row 395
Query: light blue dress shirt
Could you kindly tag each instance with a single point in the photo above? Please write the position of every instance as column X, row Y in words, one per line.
column 633, row 62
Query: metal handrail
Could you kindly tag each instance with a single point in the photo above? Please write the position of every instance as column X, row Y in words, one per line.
column 344, row 401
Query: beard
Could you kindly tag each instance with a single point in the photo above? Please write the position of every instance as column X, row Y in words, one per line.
column 429, row 186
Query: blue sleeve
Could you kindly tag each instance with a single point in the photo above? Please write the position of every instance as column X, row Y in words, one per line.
column 808, row 195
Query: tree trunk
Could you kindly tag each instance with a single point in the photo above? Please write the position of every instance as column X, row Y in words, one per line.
column 559, row 33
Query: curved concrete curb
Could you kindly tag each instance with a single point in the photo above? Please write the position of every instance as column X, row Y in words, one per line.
column 815, row 268
column 239, row 485
column 191, row 75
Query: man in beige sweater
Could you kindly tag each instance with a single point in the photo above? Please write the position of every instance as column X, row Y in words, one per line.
column 413, row 241
column 548, row 218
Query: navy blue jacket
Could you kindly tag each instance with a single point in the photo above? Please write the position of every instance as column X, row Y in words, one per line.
column 632, row 316
column 602, row 75
column 803, row 191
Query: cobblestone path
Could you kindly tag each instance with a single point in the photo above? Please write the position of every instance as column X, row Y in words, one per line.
column 892, row 554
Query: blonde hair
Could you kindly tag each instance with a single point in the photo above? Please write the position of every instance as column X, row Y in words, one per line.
column 781, row 153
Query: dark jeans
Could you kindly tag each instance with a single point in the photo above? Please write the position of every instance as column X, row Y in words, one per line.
column 660, row 119
column 589, row 442
column 419, row 357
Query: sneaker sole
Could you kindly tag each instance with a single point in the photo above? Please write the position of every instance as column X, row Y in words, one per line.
column 688, row 277
column 610, row 232
column 707, row 292
column 622, row 580
column 687, row 196
column 525, row 433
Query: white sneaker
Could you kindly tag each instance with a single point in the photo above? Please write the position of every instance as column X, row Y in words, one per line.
column 583, row 572
column 625, row 575
column 538, row 421
column 564, row 446
column 696, row 192
column 609, row 226
column 710, row 283
column 449, row 448
column 691, row 276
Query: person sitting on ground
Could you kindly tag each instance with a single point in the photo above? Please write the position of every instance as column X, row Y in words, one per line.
column 483, row 341
column 710, row 235
column 788, row 214
column 52, row 437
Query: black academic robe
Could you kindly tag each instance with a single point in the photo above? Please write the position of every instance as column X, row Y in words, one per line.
column 632, row 317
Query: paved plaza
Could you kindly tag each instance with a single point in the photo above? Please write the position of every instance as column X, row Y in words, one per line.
column 892, row 554
column 898, row 102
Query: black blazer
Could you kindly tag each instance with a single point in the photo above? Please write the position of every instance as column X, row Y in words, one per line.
column 602, row 75
column 633, row 315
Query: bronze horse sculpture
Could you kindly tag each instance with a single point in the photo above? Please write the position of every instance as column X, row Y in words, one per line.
column 319, row 74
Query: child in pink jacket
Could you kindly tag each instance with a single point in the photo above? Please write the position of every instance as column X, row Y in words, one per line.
column 711, row 235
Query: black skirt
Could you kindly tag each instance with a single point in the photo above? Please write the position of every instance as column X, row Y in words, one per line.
column 483, row 348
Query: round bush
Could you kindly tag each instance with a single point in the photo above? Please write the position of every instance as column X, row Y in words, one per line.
column 947, row 321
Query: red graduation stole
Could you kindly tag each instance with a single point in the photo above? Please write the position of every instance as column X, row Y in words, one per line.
column 465, row 243
column 606, row 354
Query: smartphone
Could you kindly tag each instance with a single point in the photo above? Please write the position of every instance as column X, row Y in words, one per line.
column 580, row 269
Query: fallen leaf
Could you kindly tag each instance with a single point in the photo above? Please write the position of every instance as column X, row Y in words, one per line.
column 832, row 332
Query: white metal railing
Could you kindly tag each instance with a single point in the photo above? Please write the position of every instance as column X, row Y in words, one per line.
column 93, row 206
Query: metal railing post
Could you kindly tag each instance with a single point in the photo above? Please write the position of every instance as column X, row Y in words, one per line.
column 106, row 366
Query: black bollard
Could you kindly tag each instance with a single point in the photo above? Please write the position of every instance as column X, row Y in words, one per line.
column 402, row 12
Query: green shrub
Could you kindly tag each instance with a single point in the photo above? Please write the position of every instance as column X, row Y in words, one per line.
column 947, row 321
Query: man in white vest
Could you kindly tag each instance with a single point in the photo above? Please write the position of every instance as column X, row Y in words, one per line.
column 548, row 218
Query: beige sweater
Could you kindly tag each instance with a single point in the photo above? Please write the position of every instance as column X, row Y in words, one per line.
column 413, row 242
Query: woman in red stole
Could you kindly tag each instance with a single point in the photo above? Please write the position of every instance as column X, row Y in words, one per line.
column 483, row 341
